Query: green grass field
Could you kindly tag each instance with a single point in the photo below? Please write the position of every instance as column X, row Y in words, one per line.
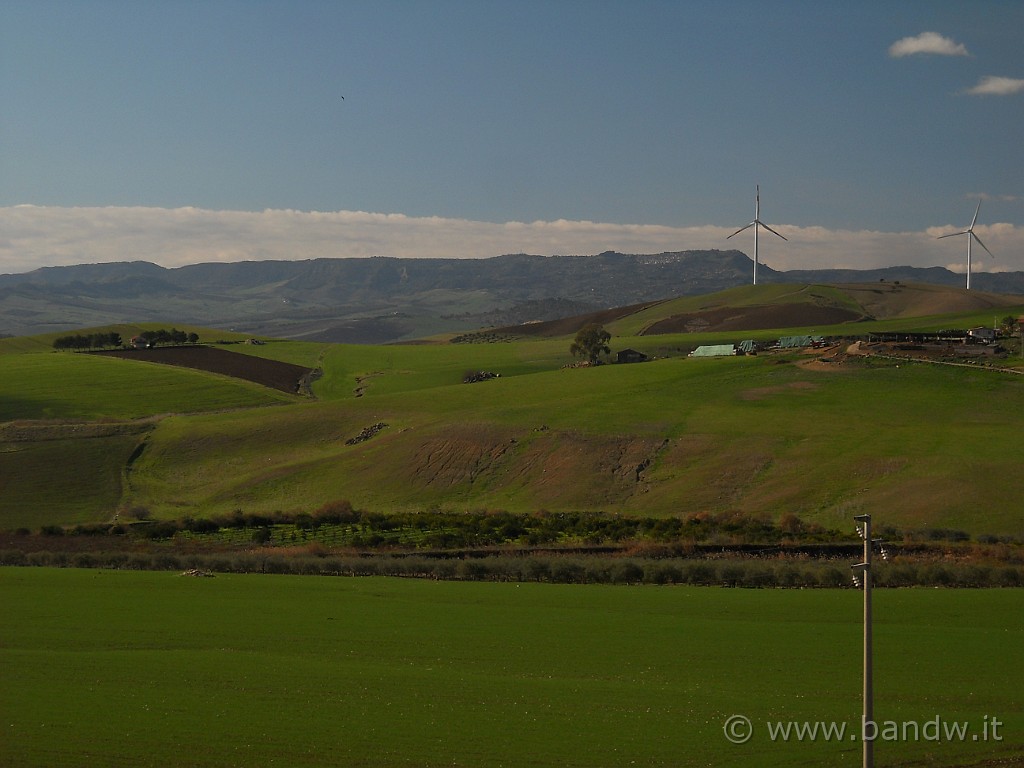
column 151, row 669
column 66, row 385
column 927, row 445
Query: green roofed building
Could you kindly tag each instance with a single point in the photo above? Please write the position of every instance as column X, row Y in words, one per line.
column 714, row 350
column 798, row 342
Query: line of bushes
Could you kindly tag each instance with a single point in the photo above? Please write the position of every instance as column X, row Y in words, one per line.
column 340, row 524
column 750, row 573
column 446, row 529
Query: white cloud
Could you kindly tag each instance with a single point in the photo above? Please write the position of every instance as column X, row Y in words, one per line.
column 37, row 236
column 997, row 86
column 927, row 42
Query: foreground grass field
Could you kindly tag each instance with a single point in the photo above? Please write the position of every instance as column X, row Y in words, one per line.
column 152, row 669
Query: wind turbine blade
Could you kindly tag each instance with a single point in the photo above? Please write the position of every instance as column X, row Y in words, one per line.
column 975, row 217
column 771, row 230
column 978, row 240
column 740, row 230
column 954, row 234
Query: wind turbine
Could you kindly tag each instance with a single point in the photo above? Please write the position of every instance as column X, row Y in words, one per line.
column 970, row 236
column 756, row 224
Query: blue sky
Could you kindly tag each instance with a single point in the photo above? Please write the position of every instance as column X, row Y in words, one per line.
column 178, row 131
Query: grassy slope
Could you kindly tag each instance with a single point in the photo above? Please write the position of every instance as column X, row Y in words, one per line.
column 53, row 385
column 64, row 473
column 112, row 668
column 62, row 481
column 929, row 446
column 746, row 434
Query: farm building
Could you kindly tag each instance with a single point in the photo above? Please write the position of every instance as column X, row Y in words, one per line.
column 981, row 333
column 630, row 356
column 798, row 342
column 714, row 350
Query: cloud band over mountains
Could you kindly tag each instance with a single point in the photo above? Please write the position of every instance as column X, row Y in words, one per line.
column 41, row 236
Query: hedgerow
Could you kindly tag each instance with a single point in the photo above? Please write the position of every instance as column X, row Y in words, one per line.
column 565, row 569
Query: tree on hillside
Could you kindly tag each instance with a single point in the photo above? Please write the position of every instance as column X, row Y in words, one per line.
column 590, row 343
column 88, row 341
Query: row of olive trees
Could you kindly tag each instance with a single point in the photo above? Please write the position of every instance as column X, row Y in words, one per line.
column 105, row 340
column 88, row 341
column 173, row 336
column 750, row 573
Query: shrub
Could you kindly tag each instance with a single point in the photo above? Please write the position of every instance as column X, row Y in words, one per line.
column 139, row 562
column 596, row 571
column 200, row 525
column 535, row 569
column 337, row 512
column 39, row 558
column 788, row 576
column 757, row 575
column 163, row 529
column 165, row 562
column 937, row 575
column 627, row 573
column 902, row 575
column 662, row 573
column 1009, row 577
column 700, row 573
column 564, row 571
column 833, row 577
column 977, row 576
column 91, row 529
column 277, row 565
column 732, row 574
column 473, row 569
column 116, row 559
column 13, row 557
column 791, row 523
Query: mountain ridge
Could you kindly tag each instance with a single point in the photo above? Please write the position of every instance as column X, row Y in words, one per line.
column 385, row 299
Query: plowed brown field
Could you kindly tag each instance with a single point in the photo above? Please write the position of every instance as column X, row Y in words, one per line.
column 285, row 377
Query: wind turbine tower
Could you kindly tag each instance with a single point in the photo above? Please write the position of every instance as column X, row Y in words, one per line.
column 970, row 236
column 756, row 224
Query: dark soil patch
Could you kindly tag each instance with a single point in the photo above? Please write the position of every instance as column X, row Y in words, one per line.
column 274, row 374
column 753, row 318
column 570, row 325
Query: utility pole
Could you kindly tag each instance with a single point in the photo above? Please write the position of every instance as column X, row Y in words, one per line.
column 863, row 570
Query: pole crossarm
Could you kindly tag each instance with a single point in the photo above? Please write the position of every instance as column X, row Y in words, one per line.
column 862, row 576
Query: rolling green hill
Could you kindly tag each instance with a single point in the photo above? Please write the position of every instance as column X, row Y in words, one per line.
column 925, row 445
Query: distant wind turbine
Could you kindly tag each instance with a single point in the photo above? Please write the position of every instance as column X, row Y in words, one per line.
column 970, row 236
column 756, row 224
